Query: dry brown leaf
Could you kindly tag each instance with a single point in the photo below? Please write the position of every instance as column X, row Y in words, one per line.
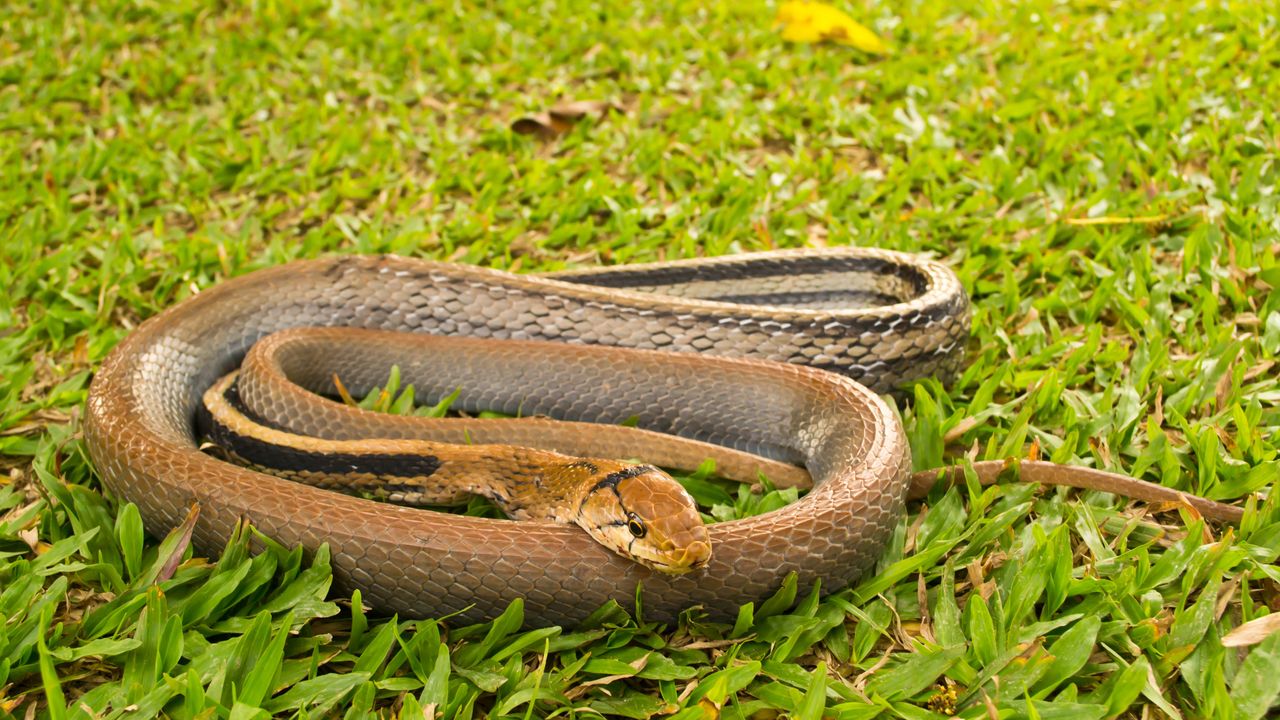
column 1222, row 390
column 713, row 644
column 1253, row 632
column 186, row 528
column 560, row 118
column 965, row 425
column 1257, row 371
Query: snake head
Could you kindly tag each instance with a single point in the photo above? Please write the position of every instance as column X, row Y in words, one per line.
column 643, row 514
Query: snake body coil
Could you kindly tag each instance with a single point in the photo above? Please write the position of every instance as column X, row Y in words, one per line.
column 700, row 334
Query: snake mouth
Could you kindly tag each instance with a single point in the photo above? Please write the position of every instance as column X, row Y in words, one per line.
column 695, row 556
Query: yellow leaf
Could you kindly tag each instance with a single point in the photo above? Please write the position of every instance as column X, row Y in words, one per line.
column 811, row 22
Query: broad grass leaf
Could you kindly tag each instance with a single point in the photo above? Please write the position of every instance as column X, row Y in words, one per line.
column 926, row 557
column 526, row 640
column 374, row 654
column 630, row 705
column 1254, row 689
column 1070, row 653
column 436, row 690
column 317, row 694
column 101, row 648
column 305, row 594
column 209, row 605
column 159, row 645
column 705, row 492
column 907, row 711
column 484, row 679
column 640, row 662
column 873, row 622
column 246, row 711
column 359, row 621
column 472, row 655
column 193, row 697
column 781, row 627
column 1021, row 673
column 411, row 708
column 55, row 700
column 569, row 641
column 745, row 621
column 1066, row 710
column 19, row 594
column 608, row 666
column 420, row 647
column 815, row 697
column 781, row 600
column 60, row 551
column 945, row 520
column 241, row 663
column 526, row 696
column 921, row 669
column 946, row 613
column 720, row 685
column 982, row 630
column 266, row 670
column 1190, row 626
column 130, row 537
column 1028, row 579
column 1122, row 688
column 361, row 702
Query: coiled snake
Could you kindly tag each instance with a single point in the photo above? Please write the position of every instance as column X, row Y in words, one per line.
column 723, row 356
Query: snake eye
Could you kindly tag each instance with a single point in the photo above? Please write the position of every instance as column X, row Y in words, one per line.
column 635, row 525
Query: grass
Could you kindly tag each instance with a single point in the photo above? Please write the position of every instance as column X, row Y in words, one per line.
column 1103, row 176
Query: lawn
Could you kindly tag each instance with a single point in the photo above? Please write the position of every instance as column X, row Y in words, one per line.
column 1102, row 176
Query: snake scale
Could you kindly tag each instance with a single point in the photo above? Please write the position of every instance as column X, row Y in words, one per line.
column 777, row 355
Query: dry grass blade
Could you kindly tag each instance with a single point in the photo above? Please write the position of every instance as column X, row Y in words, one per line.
column 1140, row 220
column 1253, row 632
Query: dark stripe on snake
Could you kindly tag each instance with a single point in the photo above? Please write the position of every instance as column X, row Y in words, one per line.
column 283, row 457
column 853, row 298
column 612, row 479
column 789, row 267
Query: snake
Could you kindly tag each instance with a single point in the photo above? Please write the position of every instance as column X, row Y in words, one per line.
column 778, row 363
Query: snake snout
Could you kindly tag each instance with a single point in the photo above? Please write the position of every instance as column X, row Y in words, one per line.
column 697, row 555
